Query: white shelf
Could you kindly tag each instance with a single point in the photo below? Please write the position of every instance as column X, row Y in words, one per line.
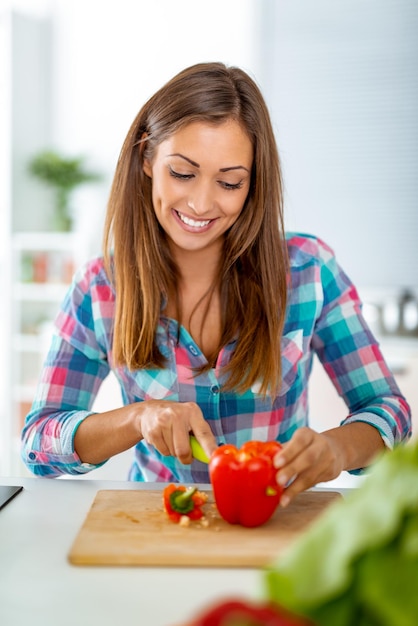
column 42, row 292
column 44, row 241
column 27, row 343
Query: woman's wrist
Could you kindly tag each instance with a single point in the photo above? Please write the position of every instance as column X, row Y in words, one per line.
column 356, row 444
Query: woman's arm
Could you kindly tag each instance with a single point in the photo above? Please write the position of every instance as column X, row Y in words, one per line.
column 164, row 424
column 63, row 436
column 64, row 397
column 352, row 357
column 379, row 415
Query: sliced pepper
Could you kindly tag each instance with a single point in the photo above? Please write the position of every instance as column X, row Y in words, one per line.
column 244, row 483
column 179, row 501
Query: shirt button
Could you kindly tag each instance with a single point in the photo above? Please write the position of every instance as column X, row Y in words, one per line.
column 193, row 350
column 214, row 389
column 32, row 456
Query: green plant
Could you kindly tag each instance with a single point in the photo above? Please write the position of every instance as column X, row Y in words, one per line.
column 63, row 175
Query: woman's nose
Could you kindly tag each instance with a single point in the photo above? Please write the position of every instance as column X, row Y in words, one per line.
column 201, row 202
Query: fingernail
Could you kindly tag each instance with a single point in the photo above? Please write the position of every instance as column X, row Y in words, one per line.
column 279, row 461
column 282, row 480
column 284, row 501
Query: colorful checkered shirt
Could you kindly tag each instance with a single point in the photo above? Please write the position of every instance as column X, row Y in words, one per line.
column 323, row 318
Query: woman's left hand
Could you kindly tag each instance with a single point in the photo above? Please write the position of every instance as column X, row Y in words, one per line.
column 307, row 459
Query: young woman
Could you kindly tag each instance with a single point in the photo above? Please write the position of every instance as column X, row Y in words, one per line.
column 206, row 311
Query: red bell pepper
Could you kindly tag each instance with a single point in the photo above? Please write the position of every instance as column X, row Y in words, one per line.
column 244, row 482
column 179, row 501
column 236, row 611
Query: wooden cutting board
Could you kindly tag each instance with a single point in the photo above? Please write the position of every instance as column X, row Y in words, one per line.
column 131, row 528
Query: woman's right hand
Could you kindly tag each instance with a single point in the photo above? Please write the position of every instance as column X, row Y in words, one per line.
column 168, row 425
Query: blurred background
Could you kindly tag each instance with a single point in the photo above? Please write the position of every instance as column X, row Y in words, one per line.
column 341, row 81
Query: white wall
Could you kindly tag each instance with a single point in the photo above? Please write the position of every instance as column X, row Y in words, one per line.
column 342, row 83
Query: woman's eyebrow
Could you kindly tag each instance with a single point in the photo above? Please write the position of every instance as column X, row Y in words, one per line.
column 177, row 154
column 234, row 167
column 222, row 169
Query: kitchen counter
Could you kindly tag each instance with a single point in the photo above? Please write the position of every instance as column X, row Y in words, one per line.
column 39, row 587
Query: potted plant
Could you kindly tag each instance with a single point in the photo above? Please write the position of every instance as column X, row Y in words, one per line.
column 63, row 174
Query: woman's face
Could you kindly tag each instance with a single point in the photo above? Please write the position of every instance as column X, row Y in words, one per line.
column 200, row 181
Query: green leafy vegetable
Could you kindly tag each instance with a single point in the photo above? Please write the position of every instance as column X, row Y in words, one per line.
column 358, row 564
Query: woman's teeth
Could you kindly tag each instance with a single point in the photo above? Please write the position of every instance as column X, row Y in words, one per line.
column 194, row 223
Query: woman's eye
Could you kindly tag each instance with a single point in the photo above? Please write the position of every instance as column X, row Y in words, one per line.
column 231, row 186
column 175, row 174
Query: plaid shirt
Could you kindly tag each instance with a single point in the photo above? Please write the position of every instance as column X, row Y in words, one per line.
column 323, row 317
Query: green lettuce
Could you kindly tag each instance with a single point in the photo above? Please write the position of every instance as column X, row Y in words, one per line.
column 358, row 564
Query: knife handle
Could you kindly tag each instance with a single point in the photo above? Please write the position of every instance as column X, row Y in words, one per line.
column 197, row 450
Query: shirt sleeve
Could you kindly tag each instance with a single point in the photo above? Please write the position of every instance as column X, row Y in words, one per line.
column 352, row 357
column 73, row 371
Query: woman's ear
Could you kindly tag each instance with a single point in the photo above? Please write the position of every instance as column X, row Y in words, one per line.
column 146, row 165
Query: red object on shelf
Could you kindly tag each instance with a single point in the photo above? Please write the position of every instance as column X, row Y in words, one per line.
column 40, row 268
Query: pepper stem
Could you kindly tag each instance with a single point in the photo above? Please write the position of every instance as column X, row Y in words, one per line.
column 181, row 501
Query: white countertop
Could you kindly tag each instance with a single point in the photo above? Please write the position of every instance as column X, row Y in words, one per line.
column 39, row 587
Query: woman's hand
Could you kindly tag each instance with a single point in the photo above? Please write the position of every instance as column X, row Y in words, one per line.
column 310, row 457
column 307, row 459
column 168, row 425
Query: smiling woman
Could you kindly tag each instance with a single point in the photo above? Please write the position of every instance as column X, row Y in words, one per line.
column 225, row 134
column 207, row 311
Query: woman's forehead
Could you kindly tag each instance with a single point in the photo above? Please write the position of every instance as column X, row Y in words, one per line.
column 228, row 139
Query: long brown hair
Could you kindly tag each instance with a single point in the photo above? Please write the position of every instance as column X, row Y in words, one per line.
column 254, row 266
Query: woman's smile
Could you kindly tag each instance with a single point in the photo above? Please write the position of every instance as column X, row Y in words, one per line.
column 191, row 224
